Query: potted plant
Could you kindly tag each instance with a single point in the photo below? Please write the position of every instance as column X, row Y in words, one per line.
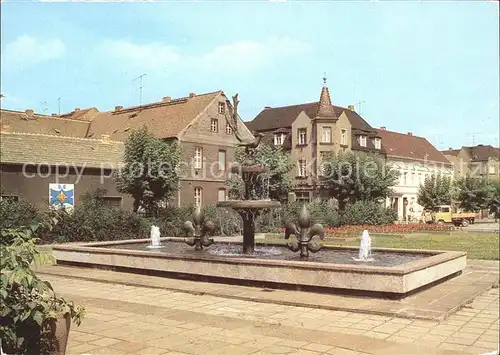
column 33, row 320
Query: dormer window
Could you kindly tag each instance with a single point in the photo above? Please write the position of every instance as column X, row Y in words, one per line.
column 377, row 142
column 214, row 125
column 222, row 108
column 302, row 136
column 279, row 138
column 362, row 141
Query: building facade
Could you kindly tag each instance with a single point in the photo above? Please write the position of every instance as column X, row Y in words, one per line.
column 200, row 124
column 416, row 159
column 479, row 161
column 309, row 132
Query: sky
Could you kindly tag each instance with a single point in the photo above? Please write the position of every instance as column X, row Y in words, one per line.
column 427, row 67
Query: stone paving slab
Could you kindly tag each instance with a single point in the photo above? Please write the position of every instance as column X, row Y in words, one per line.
column 436, row 303
column 124, row 319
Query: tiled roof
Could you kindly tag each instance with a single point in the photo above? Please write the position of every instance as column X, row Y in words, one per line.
column 452, row 152
column 163, row 119
column 403, row 145
column 483, row 152
column 325, row 108
column 19, row 148
column 273, row 118
column 16, row 121
column 84, row 115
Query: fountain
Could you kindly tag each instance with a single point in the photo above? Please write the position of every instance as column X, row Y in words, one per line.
column 365, row 248
column 249, row 208
column 394, row 272
column 155, row 238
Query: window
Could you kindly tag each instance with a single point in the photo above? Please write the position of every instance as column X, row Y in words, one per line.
column 222, row 108
column 445, row 209
column 419, row 179
column 412, row 179
column 221, row 195
column 198, row 157
column 377, row 143
column 112, row 201
column 326, row 136
column 302, row 196
column 405, row 178
column 362, row 141
column 302, row 136
column 278, row 139
column 343, row 137
column 491, row 168
column 302, row 168
column 10, row 198
column 214, row 125
column 198, row 196
column 323, row 164
column 222, row 160
column 229, row 129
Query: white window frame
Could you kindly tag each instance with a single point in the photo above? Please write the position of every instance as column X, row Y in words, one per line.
column 343, row 136
column 198, row 196
column 214, row 125
column 198, row 157
column 301, row 136
column 229, row 129
column 324, row 137
column 222, row 164
column 362, row 141
column 302, row 167
column 221, row 194
column 278, row 139
column 405, row 178
column 377, row 142
column 222, row 108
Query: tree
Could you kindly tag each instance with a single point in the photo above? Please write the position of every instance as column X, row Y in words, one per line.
column 493, row 202
column 274, row 184
column 436, row 190
column 472, row 194
column 149, row 174
column 353, row 177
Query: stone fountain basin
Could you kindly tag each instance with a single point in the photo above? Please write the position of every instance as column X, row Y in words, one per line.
column 249, row 204
column 394, row 281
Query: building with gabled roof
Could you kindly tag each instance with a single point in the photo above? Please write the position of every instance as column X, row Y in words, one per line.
column 311, row 130
column 480, row 160
column 416, row 159
column 200, row 124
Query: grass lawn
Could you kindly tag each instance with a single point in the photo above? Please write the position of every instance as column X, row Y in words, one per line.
column 477, row 246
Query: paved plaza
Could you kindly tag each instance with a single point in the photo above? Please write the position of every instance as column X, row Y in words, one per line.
column 132, row 319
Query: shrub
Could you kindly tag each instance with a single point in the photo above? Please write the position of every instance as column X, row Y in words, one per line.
column 92, row 220
column 18, row 213
column 368, row 213
column 29, row 304
column 321, row 212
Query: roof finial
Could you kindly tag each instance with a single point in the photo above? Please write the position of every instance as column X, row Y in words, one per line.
column 324, row 79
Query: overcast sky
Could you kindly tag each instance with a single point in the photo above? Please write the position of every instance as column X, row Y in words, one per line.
column 427, row 67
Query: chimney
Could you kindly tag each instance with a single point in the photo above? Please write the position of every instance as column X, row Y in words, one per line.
column 191, row 95
column 267, row 107
column 351, row 107
column 410, row 134
column 54, row 115
column 29, row 112
column 166, row 99
column 118, row 108
column 77, row 109
column 383, row 128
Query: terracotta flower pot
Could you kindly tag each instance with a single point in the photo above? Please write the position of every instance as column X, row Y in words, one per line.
column 55, row 334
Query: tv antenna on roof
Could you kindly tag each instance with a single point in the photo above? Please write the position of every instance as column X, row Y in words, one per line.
column 360, row 105
column 140, row 87
column 59, row 105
